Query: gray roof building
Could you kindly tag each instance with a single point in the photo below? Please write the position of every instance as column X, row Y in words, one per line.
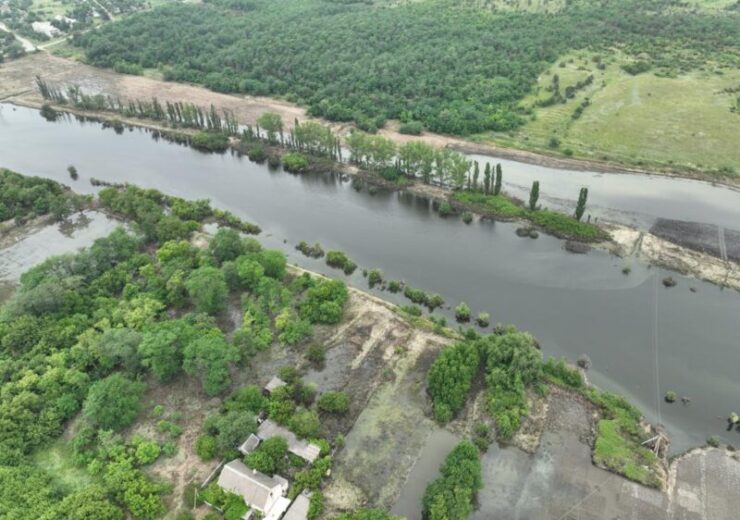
column 306, row 450
column 274, row 383
column 298, row 510
column 259, row 491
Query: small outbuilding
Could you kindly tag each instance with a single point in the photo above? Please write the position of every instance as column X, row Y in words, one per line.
column 304, row 449
column 298, row 510
column 273, row 384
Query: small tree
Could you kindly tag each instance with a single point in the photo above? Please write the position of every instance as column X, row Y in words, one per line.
column 581, row 206
column 499, row 178
column 273, row 124
column 333, row 402
column 534, row 195
column 113, row 403
column 462, row 312
column 207, row 287
column 487, row 179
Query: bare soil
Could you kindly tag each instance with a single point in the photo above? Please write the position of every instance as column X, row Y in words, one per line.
column 664, row 253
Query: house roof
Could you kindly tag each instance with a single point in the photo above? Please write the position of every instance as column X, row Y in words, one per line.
column 250, row 444
column 274, row 383
column 298, row 509
column 303, row 449
column 256, row 488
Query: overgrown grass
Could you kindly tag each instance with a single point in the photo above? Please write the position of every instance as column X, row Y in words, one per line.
column 553, row 222
column 659, row 119
column 620, row 453
column 497, row 205
column 57, row 461
column 565, row 226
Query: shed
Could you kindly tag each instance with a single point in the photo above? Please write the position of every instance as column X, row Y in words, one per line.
column 304, row 449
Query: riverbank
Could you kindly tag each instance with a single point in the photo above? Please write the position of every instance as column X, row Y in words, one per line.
column 656, row 251
column 19, row 85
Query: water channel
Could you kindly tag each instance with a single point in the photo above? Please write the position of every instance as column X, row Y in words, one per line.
column 643, row 339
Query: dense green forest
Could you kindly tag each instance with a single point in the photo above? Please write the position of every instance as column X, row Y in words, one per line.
column 456, row 67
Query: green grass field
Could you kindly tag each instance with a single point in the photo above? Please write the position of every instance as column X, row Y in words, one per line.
column 56, row 460
column 681, row 122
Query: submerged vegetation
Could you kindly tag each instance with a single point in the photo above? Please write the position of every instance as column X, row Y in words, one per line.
column 452, row 495
column 23, row 198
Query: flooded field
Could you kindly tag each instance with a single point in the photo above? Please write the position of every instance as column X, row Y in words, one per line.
column 26, row 246
column 643, row 339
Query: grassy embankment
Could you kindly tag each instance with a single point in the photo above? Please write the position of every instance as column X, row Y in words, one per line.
column 552, row 222
column 681, row 121
column 619, row 431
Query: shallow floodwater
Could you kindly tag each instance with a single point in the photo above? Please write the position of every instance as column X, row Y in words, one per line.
column 643, row 339
column 628, row 198
column 439, row 444
column 37, row 244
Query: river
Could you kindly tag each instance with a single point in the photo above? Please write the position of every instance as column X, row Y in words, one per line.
column 643, row 339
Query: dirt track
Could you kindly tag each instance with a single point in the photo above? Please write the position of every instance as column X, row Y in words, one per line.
column 18, row 82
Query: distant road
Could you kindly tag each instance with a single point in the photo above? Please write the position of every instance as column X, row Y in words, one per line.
column 27, row 45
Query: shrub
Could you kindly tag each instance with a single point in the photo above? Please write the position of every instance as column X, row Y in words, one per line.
column 374, row 277
column 334, row 402
column 462, row 312
column 445, row 209
column 256, row 152
column 295, row 162
column 339, row 260
column 449, row 379
column 316, row 354
column 314, row 251
column 416, row 295
column 147, row 452
column 206, row 447
column 467, row 217
column 483, row 320
column 210, row 141
column 670, row 396
column 394, row 286
column 411, row 128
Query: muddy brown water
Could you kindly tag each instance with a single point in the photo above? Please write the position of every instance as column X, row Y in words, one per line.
column 643, row 339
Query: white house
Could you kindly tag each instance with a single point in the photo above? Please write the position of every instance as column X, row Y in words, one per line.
column 260, row 492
